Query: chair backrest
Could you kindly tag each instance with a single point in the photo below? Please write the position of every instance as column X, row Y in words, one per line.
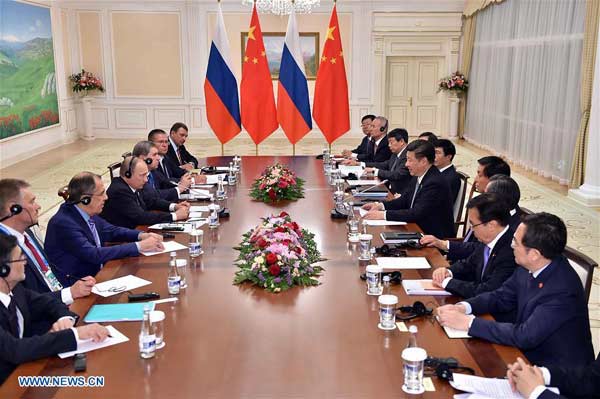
column 63, row 192
column 126, row 154
column 584, row 266
column 526, row 211
column 459, row 202
column 113, row 169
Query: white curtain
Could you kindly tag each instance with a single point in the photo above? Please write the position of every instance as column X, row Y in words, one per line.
column 525, row 83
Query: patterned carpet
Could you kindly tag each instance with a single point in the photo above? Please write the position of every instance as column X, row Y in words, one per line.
column 583, row 223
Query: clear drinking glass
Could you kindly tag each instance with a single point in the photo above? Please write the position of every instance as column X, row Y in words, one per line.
column 413, row 359
column 373, row 273
column 365, row 246
column 387, row 312
column 157, row 318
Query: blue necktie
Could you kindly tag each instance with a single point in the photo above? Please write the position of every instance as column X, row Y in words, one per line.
column 486, row 257
column 94, row 233
column 151, row 180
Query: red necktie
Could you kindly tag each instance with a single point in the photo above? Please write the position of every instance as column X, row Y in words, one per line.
column 179, row 156
column 36, row 254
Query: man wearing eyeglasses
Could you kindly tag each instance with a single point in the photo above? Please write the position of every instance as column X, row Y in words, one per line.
column 76, row 234
column 17, row 194
column 552, row 326
column 21, row 308
column 493, row 262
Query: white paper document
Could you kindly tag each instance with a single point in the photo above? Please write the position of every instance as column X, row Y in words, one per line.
column 482, row 387
column 87, row 346
column 362, row 182
column 403, row 263
column 202, row 185
column 382, row 223
column 345, row 170
column 119, row 285
column 197, row 193
column 453, row 333
column 199, row 208
column 214, row 179
column 361, row 212
column 422, row 287
column 195, row 215
column 222, row 168
column 169, row 247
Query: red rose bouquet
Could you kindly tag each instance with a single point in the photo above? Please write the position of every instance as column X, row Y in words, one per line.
column 277, row 255
column 277, row 183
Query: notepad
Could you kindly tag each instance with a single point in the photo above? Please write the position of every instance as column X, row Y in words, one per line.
column 421, row 287
column 169, row 246
column 116, row 337
column 197, row 208
column 484, row 387
column 361, row 212
column 361, row 182
column 117, row 312
column 119, row 285
column 453, row 333
column 403, row 263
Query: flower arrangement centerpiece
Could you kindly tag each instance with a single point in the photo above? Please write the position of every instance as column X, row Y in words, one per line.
column 277, row 183
column 277, row 255
column 456, row 82
column 85, row 82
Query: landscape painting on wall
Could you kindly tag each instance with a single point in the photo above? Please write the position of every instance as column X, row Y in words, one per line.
column 28, row 99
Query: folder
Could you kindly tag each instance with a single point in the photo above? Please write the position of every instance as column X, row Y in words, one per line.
column 117, row 312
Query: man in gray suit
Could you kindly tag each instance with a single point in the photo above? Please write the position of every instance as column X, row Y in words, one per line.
column 394, row 169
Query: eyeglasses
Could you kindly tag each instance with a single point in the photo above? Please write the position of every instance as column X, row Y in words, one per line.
column 120, row 288
column 21, row 259
column 478, row 224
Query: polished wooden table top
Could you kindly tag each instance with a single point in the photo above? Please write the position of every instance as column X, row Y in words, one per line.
column 227, row 341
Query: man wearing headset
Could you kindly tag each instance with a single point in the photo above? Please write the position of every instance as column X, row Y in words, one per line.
column 378, row 150
column 18, row 212
column 76, row 235
column 22, row 308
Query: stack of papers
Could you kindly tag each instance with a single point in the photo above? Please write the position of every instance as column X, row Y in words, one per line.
column 87, row 346
column 362, row 182
column 485, row 388
column 118, row 285
column 345, row 170
column 422, row 287
column 453, row 333
column 403, row 263
column 199, row 208
column 214, row 179
column 169, row 247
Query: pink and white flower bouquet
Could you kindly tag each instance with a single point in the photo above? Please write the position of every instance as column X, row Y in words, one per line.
column 277, row 183
column 455, row 82
column 85, row 82
column 277, row 255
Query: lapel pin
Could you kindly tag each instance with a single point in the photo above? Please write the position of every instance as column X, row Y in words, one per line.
column 540, row 285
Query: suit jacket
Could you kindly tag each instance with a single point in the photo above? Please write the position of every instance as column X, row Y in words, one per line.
column 363, row 146
column 581, row 382
column 165, row 186
column 458, row 250
column 552, row 325
column 453, row 180
column 186, row 157
column 432, row 209
column 70, row 244
column 382, row 154
column 34, row 307
column 171, row 169
column 467, row 279
column 125, row 208
column 394, row 170
column 152, row 193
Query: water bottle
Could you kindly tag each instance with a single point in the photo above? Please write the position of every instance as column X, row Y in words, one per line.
column 174, row 280
column 196, row 236
column 231, row 178
column 220, row 189
column 386, row 285
column 326, row 162
column 213, row 216
column 352, row 225
column 412, row 340
column 147, row 340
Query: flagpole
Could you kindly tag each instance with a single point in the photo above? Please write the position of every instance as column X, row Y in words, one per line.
column 293, row 145
column 256, row 149
column 222, row 145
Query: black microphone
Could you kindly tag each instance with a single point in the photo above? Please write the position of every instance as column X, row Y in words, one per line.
column 372, row 187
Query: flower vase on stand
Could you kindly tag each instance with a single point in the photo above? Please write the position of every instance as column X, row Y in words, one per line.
column 88, row 131
column 454, row 100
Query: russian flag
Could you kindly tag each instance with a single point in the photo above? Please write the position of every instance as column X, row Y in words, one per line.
column 293, row 107
column 220, row 87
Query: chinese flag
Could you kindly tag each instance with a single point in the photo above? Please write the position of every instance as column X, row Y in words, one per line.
column 331, row 110
column 259, row 116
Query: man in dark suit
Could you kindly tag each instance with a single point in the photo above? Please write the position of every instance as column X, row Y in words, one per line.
column 76, row 236
column 444, row 155
column 158, row 185
column 41, row 273
column 426, row 201
column 168, row 168
column 126, row 206
column 428, row 136
column 177, row 152
column 493, row 263
column 21, row 308
column 574, row 382
column 365, row 125
column 552, row 325
column 378, row 149
column 393, row 170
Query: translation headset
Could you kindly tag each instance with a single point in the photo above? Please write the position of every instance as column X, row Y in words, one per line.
column 390, row 250
column 14, row 209
column 85, row 199
column 4, row 269
column 129, row 172
column 418, row 309
column 444, row 367
column 382, row 128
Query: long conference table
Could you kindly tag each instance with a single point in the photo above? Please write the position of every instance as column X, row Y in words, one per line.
column 228, row 341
